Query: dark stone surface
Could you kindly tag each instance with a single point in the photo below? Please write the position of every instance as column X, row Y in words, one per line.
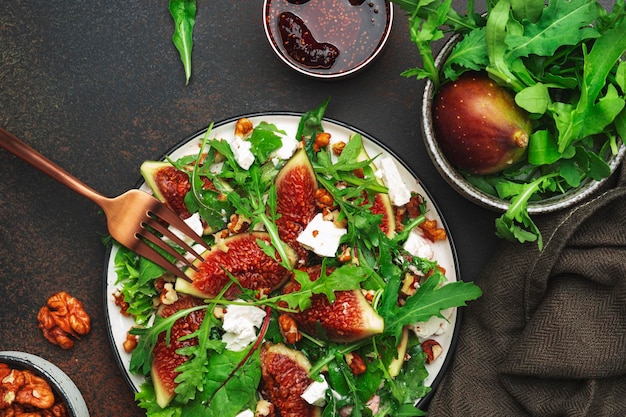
column 98, row 88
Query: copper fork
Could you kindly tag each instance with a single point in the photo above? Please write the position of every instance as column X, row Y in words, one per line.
column 133, row 218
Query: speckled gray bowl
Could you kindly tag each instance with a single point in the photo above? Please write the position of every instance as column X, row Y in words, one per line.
column 61, row 384
column 472, row 193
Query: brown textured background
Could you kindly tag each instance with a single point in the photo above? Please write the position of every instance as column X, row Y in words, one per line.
column 98, row 87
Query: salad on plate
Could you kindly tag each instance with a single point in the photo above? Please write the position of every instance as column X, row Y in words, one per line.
column 330, row 288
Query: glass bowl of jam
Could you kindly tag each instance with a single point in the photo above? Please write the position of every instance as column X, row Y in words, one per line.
column 327, row 39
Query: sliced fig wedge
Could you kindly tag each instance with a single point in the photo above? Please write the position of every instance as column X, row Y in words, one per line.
column 165, row 359
column 396, row 364
column 381, row 203
column 241, row 256
column 295, row 191
column 347, row 319
column 168, row 184
column 285, row 376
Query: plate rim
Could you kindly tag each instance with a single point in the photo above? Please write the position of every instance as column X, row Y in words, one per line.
column 423, row 402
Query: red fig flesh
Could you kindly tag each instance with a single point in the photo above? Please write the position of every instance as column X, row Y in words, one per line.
column 478, row 125
column 165, row 359
column 348, row 319
column 285, row 374
column 240, row 256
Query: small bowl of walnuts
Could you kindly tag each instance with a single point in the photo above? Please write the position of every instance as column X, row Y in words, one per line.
column 30, row 385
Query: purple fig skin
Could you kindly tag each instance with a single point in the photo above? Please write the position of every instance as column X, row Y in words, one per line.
column 478, row 125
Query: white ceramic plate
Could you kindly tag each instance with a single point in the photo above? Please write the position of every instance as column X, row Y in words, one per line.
column 444, row 250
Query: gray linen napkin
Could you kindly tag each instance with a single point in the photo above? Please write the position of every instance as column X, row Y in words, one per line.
column 548, row 336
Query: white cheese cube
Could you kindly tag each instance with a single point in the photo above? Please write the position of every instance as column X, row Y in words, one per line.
column 417, row 245
column 315, row 393
column 322, row 236
column 240, row 323
column 241, row 151
column 286, row 151
column 434, row 326
column 192, row 221
column 399, row 193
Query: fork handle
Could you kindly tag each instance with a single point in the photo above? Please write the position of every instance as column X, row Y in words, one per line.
column 23, row 151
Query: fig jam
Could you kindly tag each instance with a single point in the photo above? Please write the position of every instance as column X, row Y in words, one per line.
column 328, row 37
column 300, row 44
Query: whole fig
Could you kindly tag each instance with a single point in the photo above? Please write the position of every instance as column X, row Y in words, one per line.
column 478, row 125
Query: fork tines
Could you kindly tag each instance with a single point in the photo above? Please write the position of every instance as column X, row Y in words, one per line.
column 164, row 225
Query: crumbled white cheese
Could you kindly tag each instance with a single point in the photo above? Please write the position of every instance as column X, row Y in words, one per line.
column 399, row 193
column 315, row 393
column 435, row 326
column 196, row 225
column 321, row 236
column 241, row 151
column 217, row 168
column 240, row 323
column 288, row 148
column 417, row 245
column 246, row 413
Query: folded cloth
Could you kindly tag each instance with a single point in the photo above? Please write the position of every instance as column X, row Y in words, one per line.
column 548, row 336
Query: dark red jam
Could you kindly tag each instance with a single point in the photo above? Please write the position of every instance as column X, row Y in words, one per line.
column 300, row 44
column 328, row 37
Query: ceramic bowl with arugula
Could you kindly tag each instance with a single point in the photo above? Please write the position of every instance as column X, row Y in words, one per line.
column 331, row 288
column 523, row 109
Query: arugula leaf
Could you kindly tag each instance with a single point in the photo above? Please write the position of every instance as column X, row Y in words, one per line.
column 184, row 14
column 430, row 298
column 136, row 275
column 515, row 223
column 265, row 140
column 561, row 23
column 193, row 371
column 426, row 19
column 310, row 125
column 229, row 388
column 470, row 53
column 345, row 278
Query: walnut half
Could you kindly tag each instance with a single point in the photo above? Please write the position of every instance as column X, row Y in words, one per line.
column 63, row 318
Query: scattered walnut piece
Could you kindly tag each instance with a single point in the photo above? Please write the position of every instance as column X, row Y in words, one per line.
column 237, row 223
column 322, row 139
column 130, row 343
column 119, row 301
column 431, row 231
column 432, row 349
column 243, row 127
column 356, row 363
column 63, row 318
column 338, row 147
column 289, row 329
column 264, row 408
column 324, row 199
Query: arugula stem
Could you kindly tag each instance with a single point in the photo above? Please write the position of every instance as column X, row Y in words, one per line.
column 522, row 199
column 277, row 242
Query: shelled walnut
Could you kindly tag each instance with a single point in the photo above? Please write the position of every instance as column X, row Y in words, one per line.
column 62, row 319
column 22, row 393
